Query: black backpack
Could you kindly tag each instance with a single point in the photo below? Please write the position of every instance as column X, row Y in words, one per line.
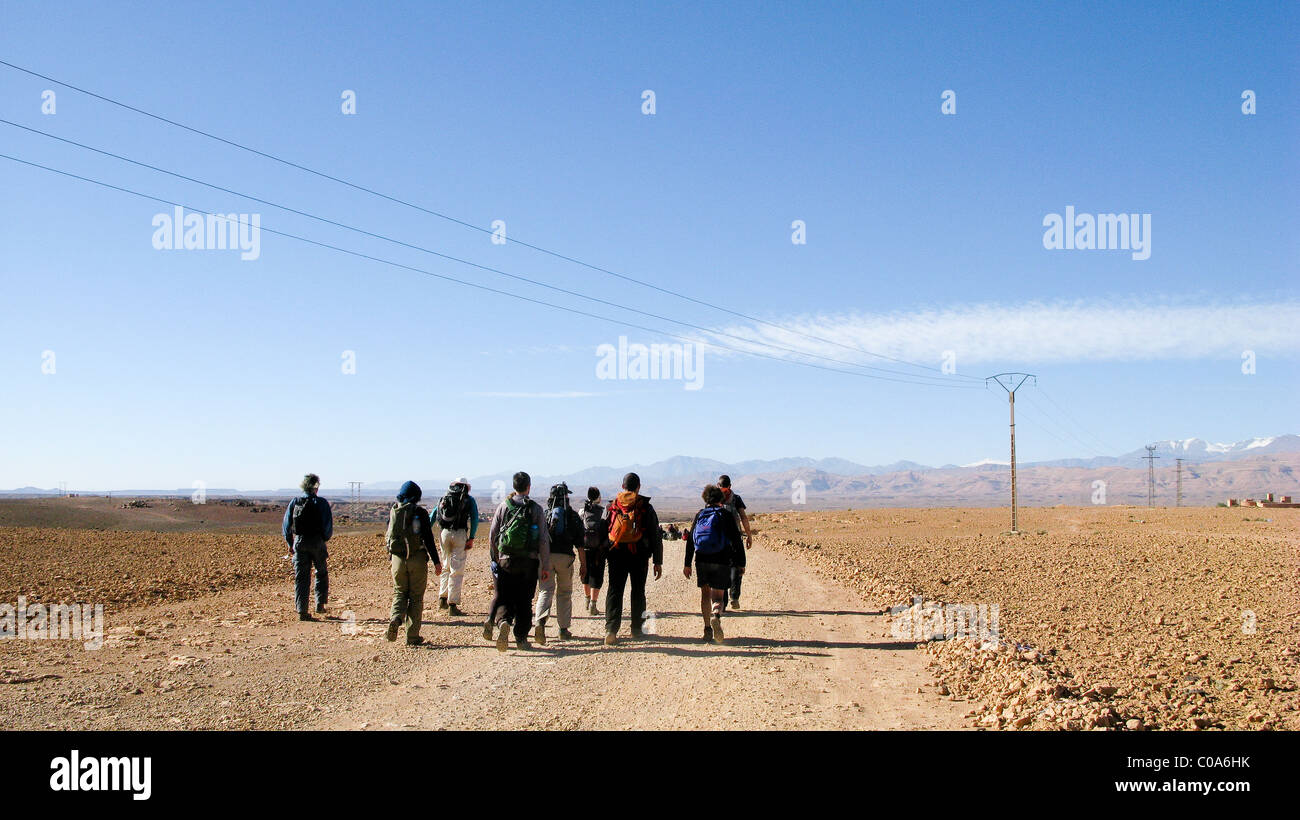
column 307, row 517
column 453, row 509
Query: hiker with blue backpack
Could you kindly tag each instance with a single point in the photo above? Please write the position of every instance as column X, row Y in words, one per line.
column 712, row 541
column 566, row 540
column 308, row 526
column 520, row 554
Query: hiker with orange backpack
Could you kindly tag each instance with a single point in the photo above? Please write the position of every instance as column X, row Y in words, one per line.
column 712, row 541
column 634, row 539
column 520, row 552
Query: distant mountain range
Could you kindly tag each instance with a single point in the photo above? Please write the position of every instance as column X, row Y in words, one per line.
column 1208, row 474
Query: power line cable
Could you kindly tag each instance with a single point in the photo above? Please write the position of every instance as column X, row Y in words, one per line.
column 469, row 263
column 463, row 223
column 466, row 283
column 1094, row 438
column 1064, row 428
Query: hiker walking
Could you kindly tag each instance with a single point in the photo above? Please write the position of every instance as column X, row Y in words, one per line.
column 520, row 552
column 736, row 505
column 595, row 541
column 566, row 540
column 308, row 526
column 712, row 541
column 458, row 520
column 410, row 548
column 634, row 539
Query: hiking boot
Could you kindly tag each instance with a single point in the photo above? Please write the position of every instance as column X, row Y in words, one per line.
column 487, row 630
column 320, row 608
column 716, row 627
column 611, row 639
column 305, row 616
column 391, row 634
column 522, row 643
column 416, row 641
column 735, row 604
column 503, row 636
column 594, row 609
column 539, row 634
column 565, row 635
column 638, row 632
column 708, row 634
column 442, row 602
column 454, row 610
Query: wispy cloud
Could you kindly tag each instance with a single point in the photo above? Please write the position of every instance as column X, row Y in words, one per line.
column 1037, row 332
column 571, row 394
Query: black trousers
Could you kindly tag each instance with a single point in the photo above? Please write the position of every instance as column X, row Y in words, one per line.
column 513, row 600
column 622, row 565
column 737, row 572
column 595, row 576
column 306, row 556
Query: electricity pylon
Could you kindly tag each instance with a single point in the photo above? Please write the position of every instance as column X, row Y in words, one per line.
column 1151, row 474
column 1012, row 383
column 1179, row 502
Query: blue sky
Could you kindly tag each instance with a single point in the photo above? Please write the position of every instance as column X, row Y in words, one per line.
column 924, row 233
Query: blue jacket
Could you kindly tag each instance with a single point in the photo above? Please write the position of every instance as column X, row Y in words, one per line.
column 327, row 521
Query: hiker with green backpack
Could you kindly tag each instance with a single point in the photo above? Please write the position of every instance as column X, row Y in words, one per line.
column 520, row 554
column 566, row 542
column 410, row 548
column 458, row 521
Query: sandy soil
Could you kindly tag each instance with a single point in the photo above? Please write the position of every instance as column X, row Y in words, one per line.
column 810, row 655
column 1110, row 617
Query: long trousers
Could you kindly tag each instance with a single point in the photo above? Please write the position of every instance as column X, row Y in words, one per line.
column 557, row 590
column 623, row 565
column 513, row 601
column 306, row 556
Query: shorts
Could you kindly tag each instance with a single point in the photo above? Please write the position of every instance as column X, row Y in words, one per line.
column 715, row 576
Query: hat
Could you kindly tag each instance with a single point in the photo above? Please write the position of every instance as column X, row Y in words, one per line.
column 461, row 480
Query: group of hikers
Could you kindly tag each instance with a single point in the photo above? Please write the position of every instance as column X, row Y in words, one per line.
column 532, row 551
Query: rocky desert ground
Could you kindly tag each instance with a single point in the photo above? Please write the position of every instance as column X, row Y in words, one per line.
column 1107, row 618
column 1119, row 618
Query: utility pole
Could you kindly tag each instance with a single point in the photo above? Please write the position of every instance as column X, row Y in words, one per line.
column 356, row 490
column 63, row 488
column 1151, row 474
column 1179, row 502
column 1011, row 382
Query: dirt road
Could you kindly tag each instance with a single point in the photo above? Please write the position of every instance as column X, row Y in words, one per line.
column 809, row 655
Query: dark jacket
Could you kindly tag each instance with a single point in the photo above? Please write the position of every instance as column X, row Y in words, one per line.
column 652, row 538
column 730, row 532
column 326, row 521
column 595, row 525
column 572, row 538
